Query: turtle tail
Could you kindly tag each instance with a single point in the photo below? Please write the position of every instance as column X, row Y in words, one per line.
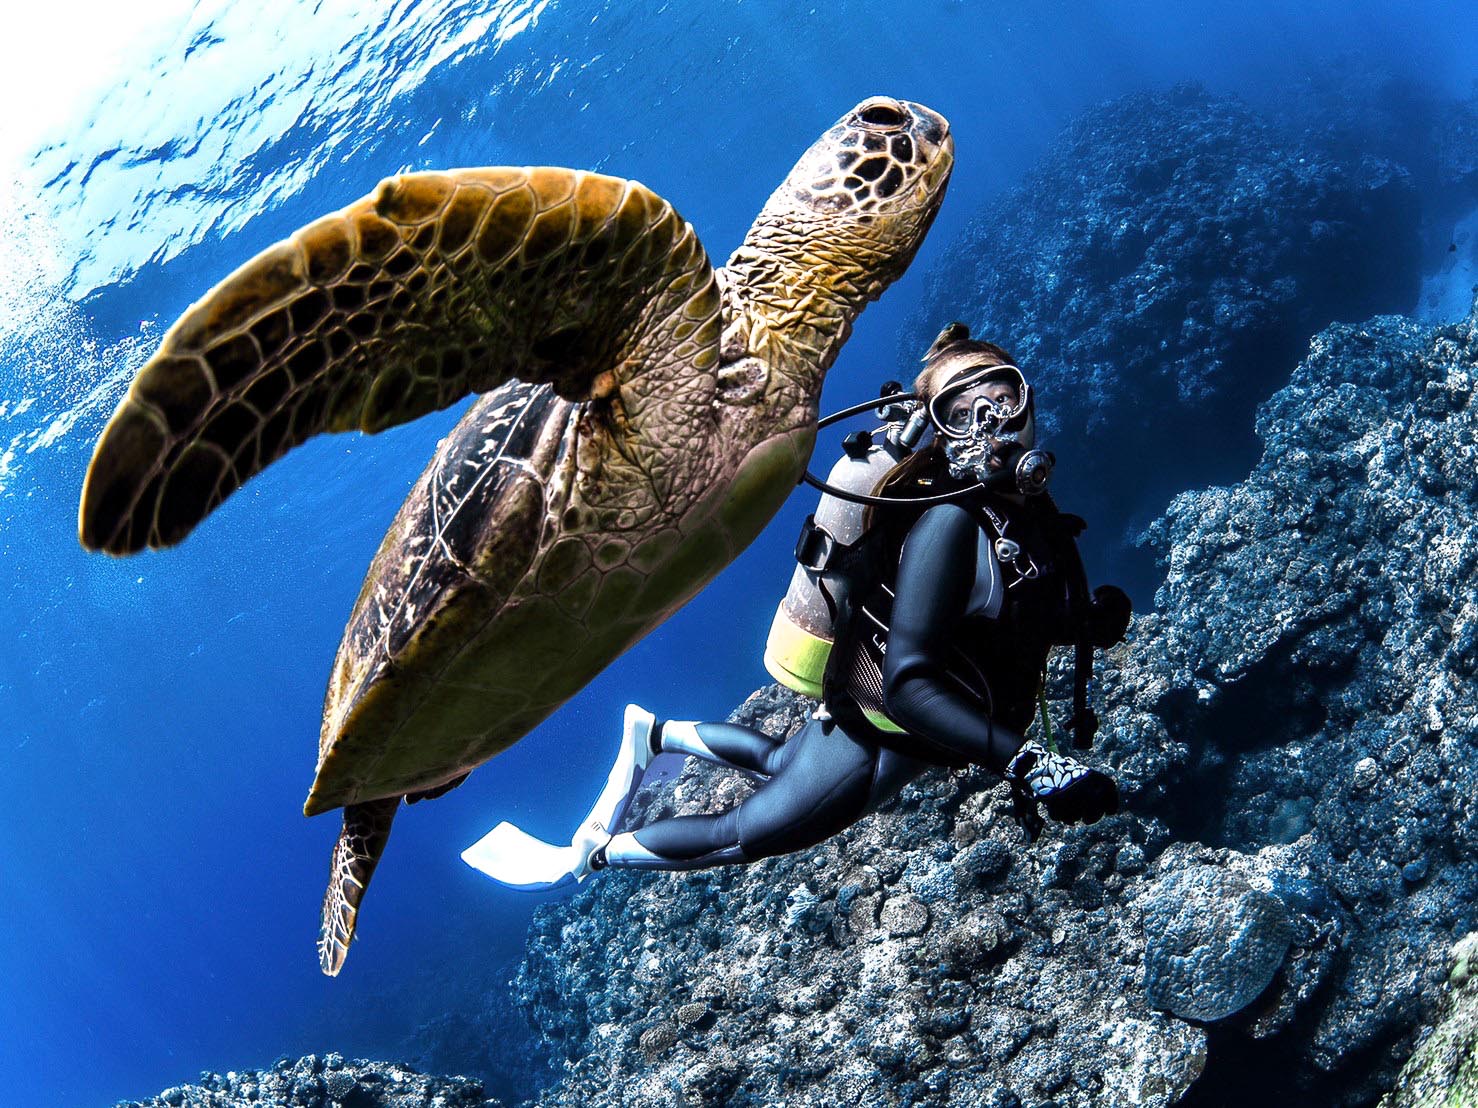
column 361, row 842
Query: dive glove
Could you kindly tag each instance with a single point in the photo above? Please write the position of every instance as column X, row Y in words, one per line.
column 1070, row 791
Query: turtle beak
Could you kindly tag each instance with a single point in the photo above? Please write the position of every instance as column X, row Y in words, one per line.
column 931, row 127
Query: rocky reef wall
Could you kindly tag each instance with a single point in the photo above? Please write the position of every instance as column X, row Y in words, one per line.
column 1158, row 273
column 1295, row 731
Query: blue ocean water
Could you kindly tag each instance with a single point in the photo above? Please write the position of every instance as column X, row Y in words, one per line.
column 159, row 887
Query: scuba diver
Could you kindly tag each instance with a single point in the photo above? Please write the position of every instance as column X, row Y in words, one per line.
column 922, row 625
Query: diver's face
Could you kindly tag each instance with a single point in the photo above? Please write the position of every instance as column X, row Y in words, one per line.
column 981, row 411
column 980, row 422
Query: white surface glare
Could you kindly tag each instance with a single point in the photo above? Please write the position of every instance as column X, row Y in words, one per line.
column 156, row 128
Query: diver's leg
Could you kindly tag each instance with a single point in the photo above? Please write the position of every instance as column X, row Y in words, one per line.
column 679, row 843
column 894, row 771
column 822, row 788
column 728, row 744
column 823, row 779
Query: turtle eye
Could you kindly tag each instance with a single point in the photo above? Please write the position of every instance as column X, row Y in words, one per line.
column 882, row 115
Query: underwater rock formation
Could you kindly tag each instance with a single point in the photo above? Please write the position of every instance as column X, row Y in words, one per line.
column 1444, row 1070
column 1213, row 942
column 1352, row 106
column 1296, row 734
column 323, row 1082
column 1337, row 708
column 1159, row 272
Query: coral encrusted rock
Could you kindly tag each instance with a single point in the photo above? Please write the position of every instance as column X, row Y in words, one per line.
column 1214, row 942
column 323, row 1082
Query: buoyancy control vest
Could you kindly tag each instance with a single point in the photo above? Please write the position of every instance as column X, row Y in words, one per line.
column 829, row 635
column 1026, row 597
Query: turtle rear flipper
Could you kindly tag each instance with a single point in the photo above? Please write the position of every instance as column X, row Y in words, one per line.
column 361, row 842
column 437, row 286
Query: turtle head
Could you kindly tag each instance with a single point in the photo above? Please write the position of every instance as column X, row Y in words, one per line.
column 883, row 166
column 848, row 219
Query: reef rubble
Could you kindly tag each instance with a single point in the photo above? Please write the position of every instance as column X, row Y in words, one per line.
column 323, row 1081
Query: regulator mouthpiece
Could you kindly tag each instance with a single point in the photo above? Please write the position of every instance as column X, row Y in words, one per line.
column 1033, row 471
column 1025, row 471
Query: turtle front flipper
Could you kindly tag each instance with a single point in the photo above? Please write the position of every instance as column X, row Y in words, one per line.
column 437, row 286
column 361, row 842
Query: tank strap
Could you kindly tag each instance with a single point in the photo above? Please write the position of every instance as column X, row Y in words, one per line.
column 816, row 548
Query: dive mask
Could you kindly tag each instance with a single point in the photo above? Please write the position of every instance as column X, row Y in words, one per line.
column 974, row 428
column 956, row 415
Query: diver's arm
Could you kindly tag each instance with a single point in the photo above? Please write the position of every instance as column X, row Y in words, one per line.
column 935, row 576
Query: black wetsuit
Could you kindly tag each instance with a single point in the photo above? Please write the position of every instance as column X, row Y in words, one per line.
column 960, row 674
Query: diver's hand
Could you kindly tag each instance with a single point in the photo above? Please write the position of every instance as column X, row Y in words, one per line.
column 1108, row 616
column 1087, row 800
column 1069, row 791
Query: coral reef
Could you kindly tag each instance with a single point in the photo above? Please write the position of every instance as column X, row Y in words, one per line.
column 1294, row 731
column 1159, row 272
column 323, row 1082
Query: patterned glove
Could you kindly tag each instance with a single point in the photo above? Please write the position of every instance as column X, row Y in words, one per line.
column 1070, row 791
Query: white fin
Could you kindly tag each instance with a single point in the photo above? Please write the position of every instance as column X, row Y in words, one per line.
column 513, row 857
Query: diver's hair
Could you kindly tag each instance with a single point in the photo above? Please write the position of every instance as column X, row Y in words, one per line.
column 902, row 481
column 952, row 353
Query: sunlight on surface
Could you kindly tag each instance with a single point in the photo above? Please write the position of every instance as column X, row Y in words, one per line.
column 72, row 55
column 163, row 130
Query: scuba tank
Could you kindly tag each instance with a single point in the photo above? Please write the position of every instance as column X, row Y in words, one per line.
column 803, row 631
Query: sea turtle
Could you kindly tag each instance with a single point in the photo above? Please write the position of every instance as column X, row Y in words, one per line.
column 644, row 416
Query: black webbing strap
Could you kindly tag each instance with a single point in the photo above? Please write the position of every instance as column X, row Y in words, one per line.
column 1085, row 720
column 816, row 547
